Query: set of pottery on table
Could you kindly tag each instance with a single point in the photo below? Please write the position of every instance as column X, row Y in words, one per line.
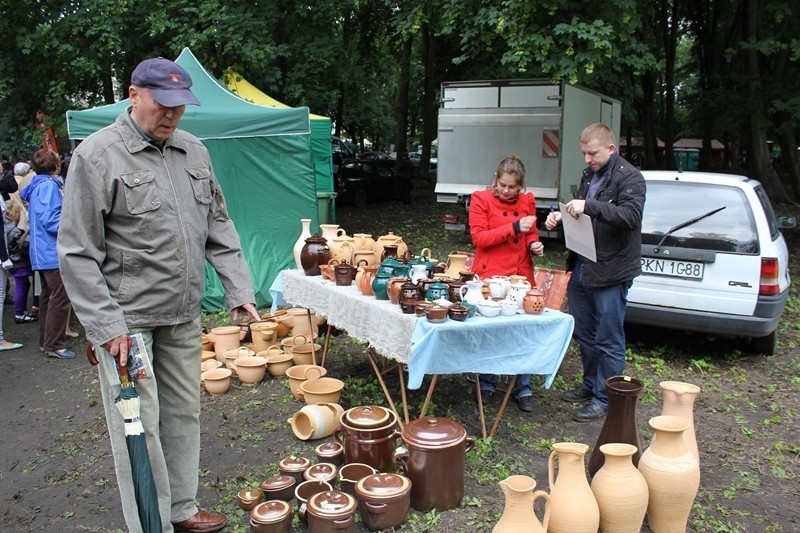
column 357, row 473
column 626, row 486
column 280, row 346
column 385, row 268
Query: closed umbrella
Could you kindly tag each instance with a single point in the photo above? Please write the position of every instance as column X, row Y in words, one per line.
column 143, row 484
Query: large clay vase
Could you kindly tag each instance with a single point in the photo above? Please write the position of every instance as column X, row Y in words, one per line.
column 679, row 400
column 315, row 252
column 574, row 508
column 518, row 512
column 620, row 490
column 455, row 264
column 620, row 424
column 305, row 233
column 672, row 474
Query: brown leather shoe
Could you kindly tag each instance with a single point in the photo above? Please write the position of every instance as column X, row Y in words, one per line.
column 202, row 522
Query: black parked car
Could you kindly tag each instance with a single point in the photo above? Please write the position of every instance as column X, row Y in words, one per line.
column 360, row 181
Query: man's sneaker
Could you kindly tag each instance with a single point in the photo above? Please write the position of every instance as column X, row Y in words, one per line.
column 61, row 354
column 24, row 319
column 525, row 404
column 577, row 395
column 590, row 411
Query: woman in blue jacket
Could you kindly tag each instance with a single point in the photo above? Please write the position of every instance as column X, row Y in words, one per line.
column 45, row 196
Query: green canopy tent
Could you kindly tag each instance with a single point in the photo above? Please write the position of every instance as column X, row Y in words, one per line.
column 263, row 159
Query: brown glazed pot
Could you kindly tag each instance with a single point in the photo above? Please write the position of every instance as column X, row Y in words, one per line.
column 383, row 500
column 434, row 462
column 315, row 252
column 409, row 292
column 330, row 452
column 351, row 473
column 373, row 446
column 344, row 273
column 321, row 472
column 271, row 517
column 304, row 491
column 294, row 466
column 331, row 511
column 279, row 488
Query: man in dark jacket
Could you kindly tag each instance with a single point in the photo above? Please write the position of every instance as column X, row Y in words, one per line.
column 612, row 193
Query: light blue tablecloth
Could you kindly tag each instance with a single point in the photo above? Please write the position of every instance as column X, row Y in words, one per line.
column 276, row 291
column 519, row 344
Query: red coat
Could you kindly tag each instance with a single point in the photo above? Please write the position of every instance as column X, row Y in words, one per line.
column 499, row 251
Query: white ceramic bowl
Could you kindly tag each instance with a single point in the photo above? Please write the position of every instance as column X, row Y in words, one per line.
column 488, row 310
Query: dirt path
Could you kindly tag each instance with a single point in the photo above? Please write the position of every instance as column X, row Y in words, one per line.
column 56, row 473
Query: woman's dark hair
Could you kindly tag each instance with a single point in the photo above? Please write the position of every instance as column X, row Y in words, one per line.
column 46, row 161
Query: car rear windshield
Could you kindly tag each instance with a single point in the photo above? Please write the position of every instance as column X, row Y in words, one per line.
column 672, row 203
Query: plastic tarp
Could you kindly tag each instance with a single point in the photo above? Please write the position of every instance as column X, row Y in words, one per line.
column 320, row 127
column 263, row 160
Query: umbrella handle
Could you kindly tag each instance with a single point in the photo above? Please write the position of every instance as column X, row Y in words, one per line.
column 90, row 354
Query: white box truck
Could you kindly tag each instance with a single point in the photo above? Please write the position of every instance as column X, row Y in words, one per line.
column 480, row 122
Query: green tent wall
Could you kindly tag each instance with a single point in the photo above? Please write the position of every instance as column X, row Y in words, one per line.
column 263, row 160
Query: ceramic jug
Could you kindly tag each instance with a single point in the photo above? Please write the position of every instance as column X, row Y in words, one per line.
column 506, row 281
column 679, row 400
column 574, row 507
column 620, row 490
column 390, row 238
column 342, row 248
column 518, row 512
column 364, row 254
column 496, row 287
column 330, row 232
column 389, row 250
column 517, row 292
column 473, row 294
column 418, row 271
column 364, row 241
column 672, row 474
column 620, row 423
column 316, row 421
column 364, row 278
column 455, row 264
column 305, row 233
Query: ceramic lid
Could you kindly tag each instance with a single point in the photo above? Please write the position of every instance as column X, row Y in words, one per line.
column 274, row 483
column 366, row 416
column 270, row 512
column 293, row 464
column 332, row 504
column 433, row 433
column 383, row 485
column 316, row 239
column 328, row 449
column 321, row 471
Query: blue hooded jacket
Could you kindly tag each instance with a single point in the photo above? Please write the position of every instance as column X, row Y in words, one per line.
column 44, row 196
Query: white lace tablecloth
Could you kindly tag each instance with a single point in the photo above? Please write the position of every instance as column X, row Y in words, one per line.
column 378, row 322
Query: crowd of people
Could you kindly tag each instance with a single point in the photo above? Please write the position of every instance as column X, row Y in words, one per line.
column 31, row 212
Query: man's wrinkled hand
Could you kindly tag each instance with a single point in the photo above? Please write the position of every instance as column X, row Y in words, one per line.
column 245, row 309
column 118, row 347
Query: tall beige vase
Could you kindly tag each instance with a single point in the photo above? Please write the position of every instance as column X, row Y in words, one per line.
column 672, row 474
column 518, row 512
column 305, row 233
column 620, row 490
column 679, row 400
column 574, row 507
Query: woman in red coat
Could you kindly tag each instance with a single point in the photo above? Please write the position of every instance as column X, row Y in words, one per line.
column 502, row 223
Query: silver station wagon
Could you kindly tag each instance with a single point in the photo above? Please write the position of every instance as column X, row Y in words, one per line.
column 713, row 258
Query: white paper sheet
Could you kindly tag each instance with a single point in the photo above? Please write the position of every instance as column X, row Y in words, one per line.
column 578, row 234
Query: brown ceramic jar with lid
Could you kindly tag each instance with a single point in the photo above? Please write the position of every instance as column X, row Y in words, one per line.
column 367, row 416
column 315, row 252
column 383, row 500
column 294, row 466
column 274, row 516
column 374, row 442
column 434, row 462
column 330, row 452
column 331, row 511
column 321, row 472
column 278, row 488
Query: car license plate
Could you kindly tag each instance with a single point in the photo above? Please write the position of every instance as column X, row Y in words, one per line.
column 668, row 267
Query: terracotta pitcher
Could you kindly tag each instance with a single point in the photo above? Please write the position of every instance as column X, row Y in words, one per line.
column 574, row 507
column 679, row 400
column 672, row 474
column 518, row 512
column 365, row 277
column 455, row 264
column 620, row 490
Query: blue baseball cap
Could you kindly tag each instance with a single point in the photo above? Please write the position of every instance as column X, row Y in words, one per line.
column 167, row 81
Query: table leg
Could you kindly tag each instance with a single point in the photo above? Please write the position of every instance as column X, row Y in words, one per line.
column 403, row 392
column 428, row 396
column 327, row 340
column 503, row 405
column 480, row 404
column 385, row 390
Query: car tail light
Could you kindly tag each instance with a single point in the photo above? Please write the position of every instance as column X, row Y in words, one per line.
column 768, row 285
column 340, row 185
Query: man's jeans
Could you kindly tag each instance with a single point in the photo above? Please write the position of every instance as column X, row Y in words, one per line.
column 522, row 386
column 599, row 314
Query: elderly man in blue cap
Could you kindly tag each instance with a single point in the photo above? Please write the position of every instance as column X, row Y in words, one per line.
column 143, row 211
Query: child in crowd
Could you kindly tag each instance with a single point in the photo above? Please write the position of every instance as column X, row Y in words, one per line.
column 18, row 243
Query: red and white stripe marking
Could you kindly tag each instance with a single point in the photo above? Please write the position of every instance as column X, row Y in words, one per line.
column 550, row 143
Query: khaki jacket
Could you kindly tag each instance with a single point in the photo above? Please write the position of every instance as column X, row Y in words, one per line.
column 137, row 226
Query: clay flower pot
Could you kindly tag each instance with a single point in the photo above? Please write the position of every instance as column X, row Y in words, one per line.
column 303, row 354
column 207, row 355
column 251, row 370
column 217, row 381
column 279, row 363
column 209, row 365
column 224, row 338
column 298, row 374
column 322, row 390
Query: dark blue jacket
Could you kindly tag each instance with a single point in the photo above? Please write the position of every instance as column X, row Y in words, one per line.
column 45, row 197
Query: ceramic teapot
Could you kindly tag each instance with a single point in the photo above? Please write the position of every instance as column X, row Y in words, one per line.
column 497, row 287
column 364, row 241
column 390, row 238
column 518, row 291
column 342, row 248
column 364, row 254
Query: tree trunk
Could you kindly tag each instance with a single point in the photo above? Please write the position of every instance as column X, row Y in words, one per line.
column 401, row 111
column 758, row 156
column 788, row 142
column 428, row 106
column 646, row 120
column 670, row 23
